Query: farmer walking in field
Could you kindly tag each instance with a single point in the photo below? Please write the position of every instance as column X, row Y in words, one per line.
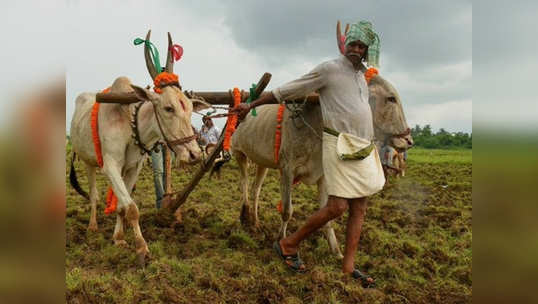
column 351, row 164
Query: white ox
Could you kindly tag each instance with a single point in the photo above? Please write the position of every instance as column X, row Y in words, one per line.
column 167, row 116
column 300, row 150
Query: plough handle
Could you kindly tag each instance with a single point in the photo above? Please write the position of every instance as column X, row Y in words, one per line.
column 182, row 196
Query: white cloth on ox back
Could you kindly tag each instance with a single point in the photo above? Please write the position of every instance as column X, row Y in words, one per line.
column 343, row 95
column 350, row 178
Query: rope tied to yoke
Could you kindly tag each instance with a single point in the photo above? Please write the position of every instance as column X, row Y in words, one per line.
column 210, row 114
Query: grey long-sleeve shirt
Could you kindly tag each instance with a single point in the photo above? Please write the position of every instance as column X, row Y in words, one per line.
column 343, row 96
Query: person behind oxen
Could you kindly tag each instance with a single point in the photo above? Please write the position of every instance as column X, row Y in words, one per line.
column 209, row 134
column 351, row 164
column 157, row 167
column 388, row 155
column 159, row 178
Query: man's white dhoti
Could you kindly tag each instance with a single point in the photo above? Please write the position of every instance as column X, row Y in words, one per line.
column 350, row 178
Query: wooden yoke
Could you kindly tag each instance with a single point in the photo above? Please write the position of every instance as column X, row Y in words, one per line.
column 213, row 98
column 224, row 98
column 121, row 98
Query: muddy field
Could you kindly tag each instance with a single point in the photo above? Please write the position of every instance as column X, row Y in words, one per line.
column 416, row 242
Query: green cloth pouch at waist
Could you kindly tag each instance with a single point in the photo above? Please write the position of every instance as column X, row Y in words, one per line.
column 350, row 147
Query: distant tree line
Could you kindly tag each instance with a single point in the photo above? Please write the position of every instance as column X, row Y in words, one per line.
column 424, row 137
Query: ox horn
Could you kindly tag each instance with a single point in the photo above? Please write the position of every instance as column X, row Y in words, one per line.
column 339, row 42
column 170, row 58
column 339, row 38
column 149, row 64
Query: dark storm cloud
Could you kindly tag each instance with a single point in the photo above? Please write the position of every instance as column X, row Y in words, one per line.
column 413, row 33
column 425, row 46
column 427, row 43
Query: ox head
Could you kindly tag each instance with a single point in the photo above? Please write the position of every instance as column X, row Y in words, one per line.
column 388, row 115
column 173, row 109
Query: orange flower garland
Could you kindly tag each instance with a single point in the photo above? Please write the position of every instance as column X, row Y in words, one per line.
column 111, row 199
column 370, row 73
column 231, row 122
column 95, row 131
column 278, row 133
column 163, row 79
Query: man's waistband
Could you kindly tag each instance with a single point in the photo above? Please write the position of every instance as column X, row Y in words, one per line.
column 357, row 155
column 331, row 131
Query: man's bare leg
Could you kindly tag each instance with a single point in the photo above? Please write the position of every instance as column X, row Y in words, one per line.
column 335, row 207
column 357, row 210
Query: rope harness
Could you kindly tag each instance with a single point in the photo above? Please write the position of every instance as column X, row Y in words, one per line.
column 136, row 133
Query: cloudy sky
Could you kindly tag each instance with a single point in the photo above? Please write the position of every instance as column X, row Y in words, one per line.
column 426, row 46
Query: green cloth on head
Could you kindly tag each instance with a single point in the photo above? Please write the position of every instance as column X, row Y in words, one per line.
column 363, row 31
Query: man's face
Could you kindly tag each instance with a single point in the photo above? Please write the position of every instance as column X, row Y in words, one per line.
column 355, row 51
column 208, row 123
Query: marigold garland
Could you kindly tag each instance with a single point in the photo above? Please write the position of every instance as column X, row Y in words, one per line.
column 278, row 132
column 370, row 73
column 162, row 79
column 111, row 199
column 231, row 121
column 95, row 131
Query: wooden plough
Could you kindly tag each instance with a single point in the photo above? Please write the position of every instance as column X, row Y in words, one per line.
column 173, row 201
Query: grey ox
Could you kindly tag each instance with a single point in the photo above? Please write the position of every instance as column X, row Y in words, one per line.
column 166, row 117
column 300, row 150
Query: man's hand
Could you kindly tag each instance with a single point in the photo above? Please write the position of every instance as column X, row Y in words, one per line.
column 241, row 110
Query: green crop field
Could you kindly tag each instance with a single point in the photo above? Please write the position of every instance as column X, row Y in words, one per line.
column 416, row 242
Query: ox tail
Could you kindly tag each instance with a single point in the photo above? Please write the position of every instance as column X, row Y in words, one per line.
column 219, row 163
column 216, row 167
column 73, row 179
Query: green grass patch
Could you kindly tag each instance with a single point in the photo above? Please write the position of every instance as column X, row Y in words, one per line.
column 416, row 242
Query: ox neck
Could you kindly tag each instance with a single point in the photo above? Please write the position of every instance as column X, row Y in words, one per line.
column 147, row 125
column 380, row 137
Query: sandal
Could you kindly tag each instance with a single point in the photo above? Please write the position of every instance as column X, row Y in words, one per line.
column 366, row 280
column 293, row 261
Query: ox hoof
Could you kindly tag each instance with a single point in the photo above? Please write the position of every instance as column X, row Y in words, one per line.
column 121, row 243
column 175, row 223
column 93, row 227
column 142, row 258
column 245, row 216
column 178, row 216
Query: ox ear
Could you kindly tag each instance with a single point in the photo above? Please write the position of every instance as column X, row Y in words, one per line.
column 198, row 105
column 144, row 94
